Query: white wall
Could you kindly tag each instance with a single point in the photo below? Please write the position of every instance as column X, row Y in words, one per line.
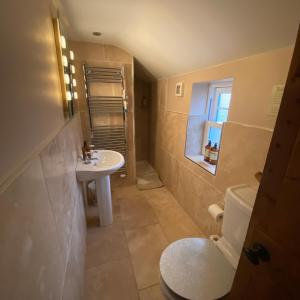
column 31, row 109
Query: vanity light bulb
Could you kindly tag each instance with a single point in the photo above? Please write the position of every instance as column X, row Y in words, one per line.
column 67, row 78
column 73, row 69
column 63, row 42
column 74, row 82
column 86, row 95
column 75, row 95
column 65, row 61
column 72, row 55
column 69, row 96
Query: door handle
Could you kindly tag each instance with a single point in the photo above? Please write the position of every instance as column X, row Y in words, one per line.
column 257, row 253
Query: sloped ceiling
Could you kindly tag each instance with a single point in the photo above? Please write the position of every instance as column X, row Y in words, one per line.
column 175, row 36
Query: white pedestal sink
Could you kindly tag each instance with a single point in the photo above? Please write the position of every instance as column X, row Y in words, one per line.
column 102, row 165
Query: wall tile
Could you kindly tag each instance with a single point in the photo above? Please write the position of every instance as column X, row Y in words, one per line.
column 42, row 226
column 59, row 161
column 62, row 203
column 74, row 280
column 243, row 153
column 30, row 259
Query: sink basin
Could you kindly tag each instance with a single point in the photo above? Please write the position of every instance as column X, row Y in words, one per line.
column 104, row 162
column 102, row 165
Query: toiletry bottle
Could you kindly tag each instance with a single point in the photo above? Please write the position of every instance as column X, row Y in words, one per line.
column 213, row 155
column 207, row 151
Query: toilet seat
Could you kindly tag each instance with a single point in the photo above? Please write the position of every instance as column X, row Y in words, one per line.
column 194, row 268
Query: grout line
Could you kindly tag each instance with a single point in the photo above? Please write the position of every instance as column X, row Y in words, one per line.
column 25, row 162
column 142, row 227
column 130, row 260
column 130, row 256
column 180, row 208
column 190, row 170
column 148, row 287
column 105, row 263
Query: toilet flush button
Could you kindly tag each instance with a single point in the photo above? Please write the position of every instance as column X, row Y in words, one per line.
column 194, row 268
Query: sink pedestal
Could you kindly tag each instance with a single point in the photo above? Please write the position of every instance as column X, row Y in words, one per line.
column 102, row 164
column 103, row 193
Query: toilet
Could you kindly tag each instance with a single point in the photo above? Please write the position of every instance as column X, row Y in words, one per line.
column 204, row 269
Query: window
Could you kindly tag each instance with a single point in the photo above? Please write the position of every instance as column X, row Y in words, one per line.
column 209, row 109
column 219, row 101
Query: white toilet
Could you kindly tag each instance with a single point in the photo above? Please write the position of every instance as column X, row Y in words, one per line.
column 203, row 269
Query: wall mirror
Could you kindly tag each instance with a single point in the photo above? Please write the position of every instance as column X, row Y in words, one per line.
column 67, row 72
column 209, row 108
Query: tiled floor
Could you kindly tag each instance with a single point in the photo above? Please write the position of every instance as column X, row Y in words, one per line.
column 123, row 259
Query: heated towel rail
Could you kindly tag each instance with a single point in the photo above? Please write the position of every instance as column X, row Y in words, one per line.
column 103, row 134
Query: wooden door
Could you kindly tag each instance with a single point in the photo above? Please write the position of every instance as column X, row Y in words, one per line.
column 275, row 222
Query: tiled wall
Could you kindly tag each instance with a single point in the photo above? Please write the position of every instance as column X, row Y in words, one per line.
column 244, row 144
column 42, row 225
column 194, row 138
column 107, row 55
column 142, row 100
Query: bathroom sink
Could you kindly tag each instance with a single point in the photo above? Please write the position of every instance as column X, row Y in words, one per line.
column 102, row 164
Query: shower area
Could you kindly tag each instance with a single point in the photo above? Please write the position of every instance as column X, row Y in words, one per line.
column 144, row 88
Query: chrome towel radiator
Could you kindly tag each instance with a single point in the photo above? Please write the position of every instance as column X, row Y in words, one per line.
column 107, row 113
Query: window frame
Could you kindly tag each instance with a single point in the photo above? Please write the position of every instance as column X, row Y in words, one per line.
column 215, row 106
column 215, row 90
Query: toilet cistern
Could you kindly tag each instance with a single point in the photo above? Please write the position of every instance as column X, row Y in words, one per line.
column 102, row 164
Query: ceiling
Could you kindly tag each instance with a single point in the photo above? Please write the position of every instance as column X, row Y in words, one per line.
column 175, row 36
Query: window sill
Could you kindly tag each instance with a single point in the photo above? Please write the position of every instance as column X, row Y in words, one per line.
column 199, row 160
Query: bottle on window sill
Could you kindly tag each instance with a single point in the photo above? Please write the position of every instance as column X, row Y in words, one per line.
column 207, row 151
column 213, row 155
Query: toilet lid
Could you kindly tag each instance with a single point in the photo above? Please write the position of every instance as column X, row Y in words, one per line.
column 194, row 268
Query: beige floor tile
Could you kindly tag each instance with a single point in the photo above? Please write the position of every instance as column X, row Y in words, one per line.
column 136, row 212
column 159, row 196
column 145, row 247
column 174, row 221
column 111, row 281
column 151, row 293
column 124, row 192
column 151, row 220
column 105, row 244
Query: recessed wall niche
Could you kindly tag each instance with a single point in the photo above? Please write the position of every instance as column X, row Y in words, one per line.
column 209, row 108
